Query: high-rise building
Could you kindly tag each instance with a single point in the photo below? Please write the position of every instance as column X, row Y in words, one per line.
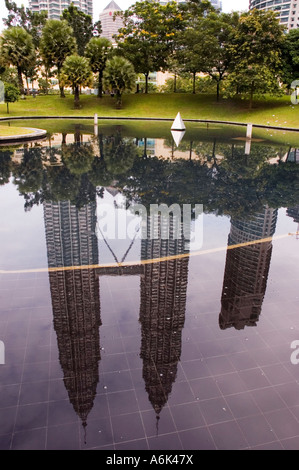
column 247, row 270
column 287, row 10
column 72, row 242
column 110, row 25
column 56, row 7
column 163, row 292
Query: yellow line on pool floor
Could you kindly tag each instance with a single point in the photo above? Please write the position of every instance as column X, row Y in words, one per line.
column 150, row 261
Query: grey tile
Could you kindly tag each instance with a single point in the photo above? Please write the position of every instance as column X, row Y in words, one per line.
column 283, row 423
column 228, row 436
column 187, row 416
column 219, row 365
column 127, row 427
column 138, row 444
column 256, row 430
column 215, row 410
column 205, row 388
column 230, row 383
column 254, row 379
column 242, row 405
column 270, row 446
column 289, row 393
column 165, row 442
column 277, row 374
column 31, row 416
column 7, row 420
column 180, row 393
column 34, row 439
column 267, row 399
column 63, row 437
column 197, row 439
column 122, row 402
column 291, row 444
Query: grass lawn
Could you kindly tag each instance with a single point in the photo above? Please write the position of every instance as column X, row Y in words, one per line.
column 268, row 111
column 8, row 131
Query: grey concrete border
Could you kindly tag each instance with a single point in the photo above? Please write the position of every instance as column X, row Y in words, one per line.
column 113, row 118
column 36, row 134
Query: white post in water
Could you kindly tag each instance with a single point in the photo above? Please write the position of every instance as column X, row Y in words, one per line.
column 96, row 129
column 2, row 353
column 249, row 131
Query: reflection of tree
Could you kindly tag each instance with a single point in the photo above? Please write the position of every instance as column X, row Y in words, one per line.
column 219, row 176
column 77, row 157
column 119, row 154
column 28, row 176
column 5, row 166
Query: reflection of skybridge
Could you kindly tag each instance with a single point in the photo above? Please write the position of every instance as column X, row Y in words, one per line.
column 134, row 270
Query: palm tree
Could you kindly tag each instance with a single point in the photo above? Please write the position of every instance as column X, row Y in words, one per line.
column 77, row 73
column 119, row 76
column 57, row 42
column 98, row 51
column 17, row 49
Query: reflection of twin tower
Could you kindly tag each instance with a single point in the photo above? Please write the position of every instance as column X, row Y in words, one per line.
column 71, row 241
column 247, row 269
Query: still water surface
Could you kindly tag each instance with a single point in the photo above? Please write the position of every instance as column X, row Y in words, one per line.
column 133, row 342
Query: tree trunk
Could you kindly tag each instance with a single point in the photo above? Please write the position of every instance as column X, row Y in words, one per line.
column 20, row 80
column 47, row 73
column 251, row 95
column 218, row 90
column 61, row 87
column 174, row 83
column 118, row 99
column 146, row 82
column 100, row 84
column 194, row 78
column 27, row 85
column 64, row 138
column 77, row 97
column 7, row 107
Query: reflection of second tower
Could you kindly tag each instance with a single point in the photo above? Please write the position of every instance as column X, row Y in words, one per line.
column 162, row 312
column 247, row 269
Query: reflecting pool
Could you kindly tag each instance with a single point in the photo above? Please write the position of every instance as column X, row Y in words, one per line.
column 114, row 336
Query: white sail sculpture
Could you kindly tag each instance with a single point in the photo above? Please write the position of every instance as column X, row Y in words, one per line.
column 177, row 136
column 178, row 129
column 178, row 124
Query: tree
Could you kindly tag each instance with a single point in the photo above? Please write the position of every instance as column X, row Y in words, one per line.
column 81, row 23
column 256, row 49
column 98, row 51
column 189, row 51
column 56, row 44
column 17, row 49
column 119, row 76
column 148, row 36
column 291, row 56
column 31, row 71
column 32, row 22
column 215, row 32
column 77, row 73
column 11, row 94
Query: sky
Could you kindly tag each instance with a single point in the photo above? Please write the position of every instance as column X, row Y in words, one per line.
column 99, row 5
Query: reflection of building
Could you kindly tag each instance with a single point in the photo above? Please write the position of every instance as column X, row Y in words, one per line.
column 246, row 270
column 293, row 155
column 55, row 7
column 110, row 26
column 162, row 314
column 71, row 241
column 287, row 11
